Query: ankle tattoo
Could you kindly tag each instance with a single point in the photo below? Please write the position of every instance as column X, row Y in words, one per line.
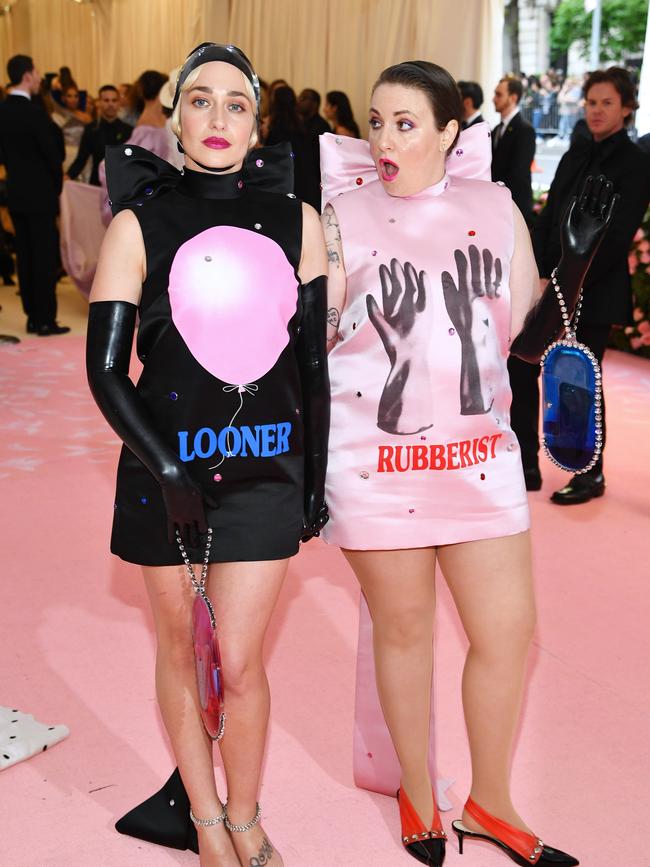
column 263, row 856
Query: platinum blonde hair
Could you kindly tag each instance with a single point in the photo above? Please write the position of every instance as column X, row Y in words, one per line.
column 189, row 82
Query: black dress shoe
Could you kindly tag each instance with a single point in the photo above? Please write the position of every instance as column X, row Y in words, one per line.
column 31, row 327
column 9, row 338
column 580, row 489
column 52, row 328
column 164, row 818
column 533, row 478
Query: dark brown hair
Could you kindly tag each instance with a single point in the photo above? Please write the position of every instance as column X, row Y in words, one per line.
column 621, row 80
column 514, row 85
column 435, row 82
column 148, row 85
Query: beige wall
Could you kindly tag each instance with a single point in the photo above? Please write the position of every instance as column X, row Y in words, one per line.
column 326, row 44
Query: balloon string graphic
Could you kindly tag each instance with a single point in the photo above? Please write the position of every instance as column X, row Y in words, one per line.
column 249, row 388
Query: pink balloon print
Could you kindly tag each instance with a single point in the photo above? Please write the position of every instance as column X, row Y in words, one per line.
column 232, row 294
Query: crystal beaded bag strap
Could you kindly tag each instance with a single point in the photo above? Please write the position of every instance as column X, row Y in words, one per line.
column 571, row 397
column 206, row 647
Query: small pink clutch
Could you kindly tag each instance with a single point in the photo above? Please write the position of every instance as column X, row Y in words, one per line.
column 207, row 657
column 208, row 666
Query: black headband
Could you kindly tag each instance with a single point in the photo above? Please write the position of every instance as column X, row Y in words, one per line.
column 209, row 51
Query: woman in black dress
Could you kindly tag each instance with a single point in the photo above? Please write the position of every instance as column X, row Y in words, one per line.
column 227, row 425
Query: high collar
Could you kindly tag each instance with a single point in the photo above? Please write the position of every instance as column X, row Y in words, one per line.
column 611, row 142
column 205, row 185
column 433, row 191
column 599, row 149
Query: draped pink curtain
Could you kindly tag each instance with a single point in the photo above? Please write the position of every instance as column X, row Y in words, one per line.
column 326, row 44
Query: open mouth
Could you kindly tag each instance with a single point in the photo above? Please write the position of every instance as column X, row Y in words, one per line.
column 388, row 169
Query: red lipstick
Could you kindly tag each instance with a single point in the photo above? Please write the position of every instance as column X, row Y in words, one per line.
column 388, row 170
column 216, row 143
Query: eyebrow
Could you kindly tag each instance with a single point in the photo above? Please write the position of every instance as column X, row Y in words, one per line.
column 211, row 90
column 395, row 113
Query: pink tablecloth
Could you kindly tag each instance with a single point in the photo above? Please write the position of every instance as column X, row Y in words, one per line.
column 82, row 232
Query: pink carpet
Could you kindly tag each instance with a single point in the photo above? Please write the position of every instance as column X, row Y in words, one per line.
column 77, row 648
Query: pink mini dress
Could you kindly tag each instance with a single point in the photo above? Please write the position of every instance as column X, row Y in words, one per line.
column 421, row 449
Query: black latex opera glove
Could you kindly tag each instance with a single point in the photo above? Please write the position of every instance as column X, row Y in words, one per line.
column 111, row 325
column 311, row 353
column 583, row 228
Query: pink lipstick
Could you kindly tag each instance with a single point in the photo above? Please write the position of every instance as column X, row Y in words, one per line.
column 388, row 169
column 216, row 143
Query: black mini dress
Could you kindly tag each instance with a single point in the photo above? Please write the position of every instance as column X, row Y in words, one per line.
column 219, row 318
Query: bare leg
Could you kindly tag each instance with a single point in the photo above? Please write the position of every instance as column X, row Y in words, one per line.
column 491, row 583
column 400, row 589
column 171, row 599
column 244, row 595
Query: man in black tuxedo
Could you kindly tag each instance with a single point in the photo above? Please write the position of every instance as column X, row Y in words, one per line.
column 513, row 146
column 610, row 100
column 472, row 95
column 32, row 149
column 107, row 130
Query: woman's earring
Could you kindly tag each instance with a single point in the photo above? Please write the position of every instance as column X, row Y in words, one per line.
column 180, row 147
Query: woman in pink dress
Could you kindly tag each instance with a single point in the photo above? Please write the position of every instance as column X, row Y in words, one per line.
column 431, row 278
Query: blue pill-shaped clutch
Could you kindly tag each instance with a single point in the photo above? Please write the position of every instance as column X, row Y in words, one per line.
column 572, row 406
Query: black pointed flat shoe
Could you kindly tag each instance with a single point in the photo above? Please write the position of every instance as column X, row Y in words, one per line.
column 164, row 818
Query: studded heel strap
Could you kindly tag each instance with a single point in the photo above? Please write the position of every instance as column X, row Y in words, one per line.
column 527, row 845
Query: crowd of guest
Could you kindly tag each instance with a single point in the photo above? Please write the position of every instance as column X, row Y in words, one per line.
column 49, row 125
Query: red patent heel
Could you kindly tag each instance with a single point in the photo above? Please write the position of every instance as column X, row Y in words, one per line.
column 520, row 846
column 426, row 846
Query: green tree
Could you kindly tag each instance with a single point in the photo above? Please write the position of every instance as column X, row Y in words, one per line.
column 622, row 33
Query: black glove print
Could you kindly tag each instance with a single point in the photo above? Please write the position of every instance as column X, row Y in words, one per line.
column 404, row 326
column 458, row 301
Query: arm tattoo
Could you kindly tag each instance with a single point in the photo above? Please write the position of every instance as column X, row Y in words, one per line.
column 333, row 317
column 263, row 856
column 333, row 256
column 332, row 224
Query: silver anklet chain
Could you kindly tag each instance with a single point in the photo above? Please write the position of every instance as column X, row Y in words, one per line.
column 207, row 823
column 240, row 829
column 570, row 324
